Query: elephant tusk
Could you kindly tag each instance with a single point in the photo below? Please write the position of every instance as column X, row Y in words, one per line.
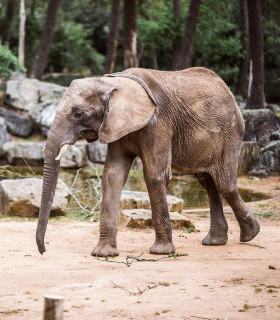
column 62, row 151
column 44, row 149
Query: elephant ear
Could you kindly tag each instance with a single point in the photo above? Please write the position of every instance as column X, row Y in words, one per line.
column 130, row 108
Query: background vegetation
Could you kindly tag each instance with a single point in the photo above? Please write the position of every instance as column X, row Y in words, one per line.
column 82, row 29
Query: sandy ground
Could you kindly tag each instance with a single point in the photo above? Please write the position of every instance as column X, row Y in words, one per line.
column 226, row 282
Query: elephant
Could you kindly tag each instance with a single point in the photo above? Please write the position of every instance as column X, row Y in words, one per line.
column 185, row 121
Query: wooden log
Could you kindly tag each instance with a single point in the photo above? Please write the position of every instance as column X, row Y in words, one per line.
column 53, row 309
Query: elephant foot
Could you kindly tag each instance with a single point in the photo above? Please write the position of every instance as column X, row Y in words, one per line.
column 215, row 240
column 105, row 251
column 249, row 228
column 162, row 248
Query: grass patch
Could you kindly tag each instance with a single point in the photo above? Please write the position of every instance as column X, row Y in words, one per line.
column 262, row 205
column 190, row 229
column 165, row 284
column 265, row 215
column 271, row 291
column 246, row 307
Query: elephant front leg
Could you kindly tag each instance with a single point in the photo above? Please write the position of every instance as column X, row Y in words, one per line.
column 114, row 177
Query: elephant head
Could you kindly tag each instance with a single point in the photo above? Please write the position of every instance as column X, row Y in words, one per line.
column 104, row 108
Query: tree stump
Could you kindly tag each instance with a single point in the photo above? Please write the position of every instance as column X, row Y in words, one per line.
column 53, row 309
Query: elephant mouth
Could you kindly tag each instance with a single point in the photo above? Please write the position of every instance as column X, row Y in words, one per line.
column 89, row 135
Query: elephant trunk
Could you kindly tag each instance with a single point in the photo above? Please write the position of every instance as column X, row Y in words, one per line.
column 50, row 176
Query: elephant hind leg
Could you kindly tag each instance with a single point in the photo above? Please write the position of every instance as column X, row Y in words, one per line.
column 249, row 225
column 217, row 234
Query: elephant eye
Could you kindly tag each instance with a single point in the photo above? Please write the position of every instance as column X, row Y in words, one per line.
column 78, row 114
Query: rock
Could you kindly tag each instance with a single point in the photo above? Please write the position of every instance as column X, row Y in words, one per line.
column 259, row 124
column 4, row 136
column 275, row 135
column 248, row 155
column 97, row 152
column 273, row 107
column 76, row 156
column 241, row 105
column 17, row 75
column 17, row 124
column 30, row 151
column 22, row 197
column 142, row 218
column 26, row 94
column 141, row 200
column 268, row 162
column 43, row 115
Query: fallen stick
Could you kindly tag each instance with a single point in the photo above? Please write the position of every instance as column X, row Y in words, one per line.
column 139, row 290
column 130, row 259
column 253, row 245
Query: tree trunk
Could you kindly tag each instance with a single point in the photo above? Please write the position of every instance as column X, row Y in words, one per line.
column 33, row 7
column 53, row 309
column 176, row 46
column 42, row 55
column 243, row 71
column 8, row 21
column 113, row 38
column 256, row 93
column 21, row 34
column 129, row 41
column 186, row 47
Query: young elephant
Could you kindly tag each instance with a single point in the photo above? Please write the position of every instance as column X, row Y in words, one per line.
column 187, row 121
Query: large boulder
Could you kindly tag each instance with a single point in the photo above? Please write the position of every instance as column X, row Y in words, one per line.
column 43, row 115
column 20, row 152
column 268, row 162
column 18, row 125
column 26, row 94
column 141, row 200
column 275, row 135
column 4, row 136
column 97, row 152
column 142, row 218
column 248, row 155
column 30, row 152
column 273, row 107
column 39, row 99
column 259, row 124
column 22, row 197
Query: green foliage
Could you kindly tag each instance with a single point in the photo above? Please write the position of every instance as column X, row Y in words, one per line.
column 8, row 61
column 82, row 30
column 271, row 28
column 156, row 31
column 72, row 49
column 218, row 39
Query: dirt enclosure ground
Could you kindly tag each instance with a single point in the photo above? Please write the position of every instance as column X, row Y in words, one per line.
column 226, row 282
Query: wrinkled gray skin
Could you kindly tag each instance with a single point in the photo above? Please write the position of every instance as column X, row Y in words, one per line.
column 187, row 121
